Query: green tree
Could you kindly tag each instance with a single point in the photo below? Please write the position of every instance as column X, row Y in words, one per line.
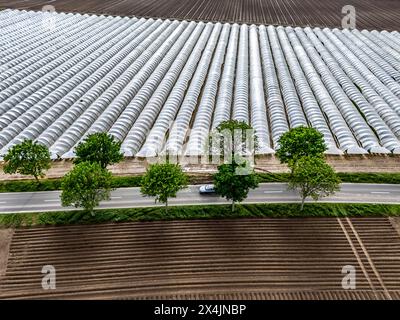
column 85, row 186
column 233, row 136
column 163, row 181
column 232, row 184
column 27, row 158
column 300, row 142
column 314, row 178
column 233, row 125
column 99, row 147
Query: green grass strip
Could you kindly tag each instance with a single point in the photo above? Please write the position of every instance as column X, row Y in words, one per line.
column 134, row 181
column 356, row 177
column 279, row 210
column 55, row 184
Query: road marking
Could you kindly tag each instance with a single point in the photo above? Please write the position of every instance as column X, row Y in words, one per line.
column 187, row 190
column 274, row 191
column 2, row 202
column 52, row 200
column 116, row 198
column 380, row 192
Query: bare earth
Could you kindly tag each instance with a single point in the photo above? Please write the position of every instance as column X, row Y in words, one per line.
column 396, row 223
column 5, row 240
column 370, row 14
column 214, row 259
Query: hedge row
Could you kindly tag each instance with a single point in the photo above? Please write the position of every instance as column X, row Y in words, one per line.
column 134, row 181
column 390, row 178
column 280, row 210
column 55, row 184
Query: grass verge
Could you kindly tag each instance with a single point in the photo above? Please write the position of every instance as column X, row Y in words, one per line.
column 356, row 177
column 280, row 210
column 134, row 181
column 55, row 184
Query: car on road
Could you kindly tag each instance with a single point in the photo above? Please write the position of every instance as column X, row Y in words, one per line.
column 207, row 189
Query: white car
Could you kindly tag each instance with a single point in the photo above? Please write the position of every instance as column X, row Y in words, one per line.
column 207, row 189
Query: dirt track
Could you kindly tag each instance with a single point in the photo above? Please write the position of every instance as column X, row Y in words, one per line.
column 371, row 14
column 225, row 259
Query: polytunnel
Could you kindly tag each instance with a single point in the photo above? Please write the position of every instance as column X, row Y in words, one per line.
column 162, row 86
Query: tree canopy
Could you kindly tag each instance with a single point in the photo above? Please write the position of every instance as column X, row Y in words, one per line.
column 85, row 186
column 101, row 148
column 314, row 178
column 232, row 138
column 300, row 142
column 27, row 158
column 163, row 181
column 232, row 185
column 233, row 125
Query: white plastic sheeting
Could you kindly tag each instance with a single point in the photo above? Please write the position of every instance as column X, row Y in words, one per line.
column 377, row 113
column 181, row 126
column 156, row 138
column 201, row 125
column 86, row 85
column 223, row 105
column 161, row 86
column 335, row 96
column 241, row 93
column 258, row 117
column 306, row 96
column 274, row 100
column 138, row 132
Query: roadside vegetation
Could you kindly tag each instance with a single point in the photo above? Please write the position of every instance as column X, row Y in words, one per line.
column 279, row 210
column 27, row 158
column 231, row 131
column 163, row 181
column 302, row 149
column 233, row 186
column 101, row 148
column 347, row 177
column 85, row 186
column 236, row 176
column 90, row 182
column 298, row 143
column 55, row 184
column 314, row 178
column 135, row 181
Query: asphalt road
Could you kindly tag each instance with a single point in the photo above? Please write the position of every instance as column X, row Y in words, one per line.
column 268, row 192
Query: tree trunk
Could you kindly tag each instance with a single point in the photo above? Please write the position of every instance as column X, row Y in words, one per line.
column 233, row 205
column 302, row 203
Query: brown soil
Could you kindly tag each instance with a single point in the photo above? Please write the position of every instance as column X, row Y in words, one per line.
column 370, row 14
column 396, row 223
column 236, row 259
column 5, row 240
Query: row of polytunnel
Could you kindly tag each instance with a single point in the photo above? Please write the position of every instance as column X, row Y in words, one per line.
column 161, row 86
